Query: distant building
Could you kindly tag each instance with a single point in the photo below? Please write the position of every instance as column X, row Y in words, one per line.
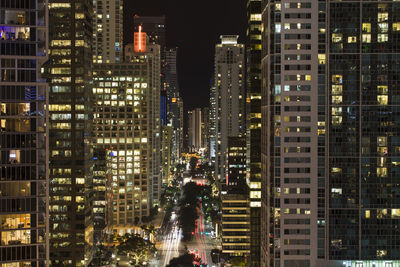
column 152, row 53
column 230, row 116
column 213, row 124
column 171, row 74
column 167, row 133
column 205, row 130
column 177, row 124
column 194, row 129
column 154, row 27
column 108, row 31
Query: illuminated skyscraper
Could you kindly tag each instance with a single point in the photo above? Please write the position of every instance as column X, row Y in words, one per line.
column 23, row 134
column 194, row 129
column 205, row 130
column 166, row 154
column 213, row 123
column 171, row 73
column 69, row 71
column 107, row 31
column 253, row 113
column 122, row 126
column 330, row 137
column 230, row 97
column 151, row 51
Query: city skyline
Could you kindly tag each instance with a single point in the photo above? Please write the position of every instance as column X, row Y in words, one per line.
column 195, row 35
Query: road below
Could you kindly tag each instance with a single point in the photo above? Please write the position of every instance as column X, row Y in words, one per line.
column 169, row 245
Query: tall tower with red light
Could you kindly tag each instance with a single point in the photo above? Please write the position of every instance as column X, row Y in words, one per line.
column 139, row 41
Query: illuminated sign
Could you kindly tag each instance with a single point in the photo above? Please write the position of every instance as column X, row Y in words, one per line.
column 139, row 41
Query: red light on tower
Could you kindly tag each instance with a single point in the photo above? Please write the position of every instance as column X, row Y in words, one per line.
column 140, row 41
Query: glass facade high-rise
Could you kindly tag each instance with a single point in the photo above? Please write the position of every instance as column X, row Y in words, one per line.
column 166, row 155
column 330, row 133
column 194, row 129
column 23, row 134
column 69, row 72
column 253, row 127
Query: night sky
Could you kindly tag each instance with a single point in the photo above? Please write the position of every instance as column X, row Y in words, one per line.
column 195, row 27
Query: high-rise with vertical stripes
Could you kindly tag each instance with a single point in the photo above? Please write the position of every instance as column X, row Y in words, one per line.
column 69, row 72
column 253, row 126
column 229, row 105
column 23, row 134
column 330, row 133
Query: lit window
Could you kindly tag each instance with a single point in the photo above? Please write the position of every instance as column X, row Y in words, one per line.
column 337, row 120
column 278, row 28
column 383, row 17
column 381, row 141
column 255, row 194
column 352, row 39
column 383, row 27
column 337, row 99
column 255, row 17
column 382, row 100
column 366, row 27
column 337, row 37
column 336, row 89
column 79, row 42
column 60, row 43
column 336, row 110
column 367, row 214
column 381, row 253
column 321, row 59
column 381, row 172
column 396, row 26
column 395, row 213
column 366, row 38
column 337, row 79
column 337, row 191
column 382, row 150
column 14, row 156
column 382, row 38
column 255, row 185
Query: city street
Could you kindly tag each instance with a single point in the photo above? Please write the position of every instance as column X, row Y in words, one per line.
column 169, row 244
column 202, row 244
